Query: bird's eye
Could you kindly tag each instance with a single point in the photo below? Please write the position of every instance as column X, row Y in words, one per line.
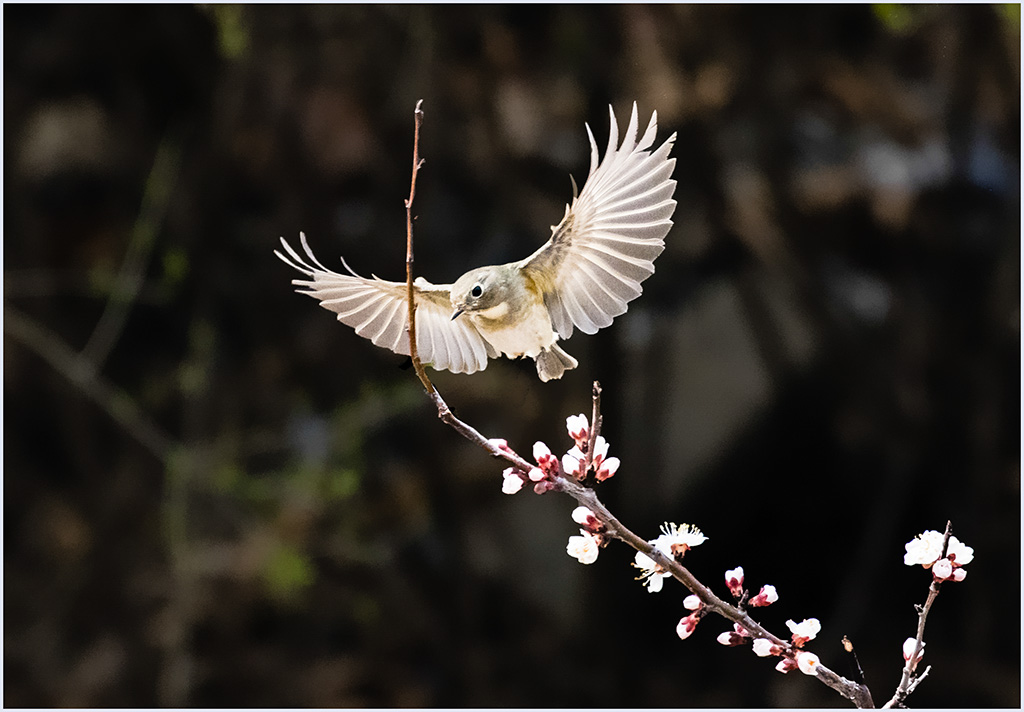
column 476, row 291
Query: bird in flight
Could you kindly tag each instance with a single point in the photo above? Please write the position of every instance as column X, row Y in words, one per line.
column 583, row 277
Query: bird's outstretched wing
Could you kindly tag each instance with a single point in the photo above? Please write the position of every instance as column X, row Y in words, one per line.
column 608, row 239
column 378, row 311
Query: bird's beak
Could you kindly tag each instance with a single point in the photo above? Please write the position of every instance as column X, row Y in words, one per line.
column 455, row 314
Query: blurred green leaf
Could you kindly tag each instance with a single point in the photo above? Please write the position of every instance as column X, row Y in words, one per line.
column 232, row 33
column 288, row 572
column 341, row 484
column 1010, row 12
column 896, row 18
column 175, row 264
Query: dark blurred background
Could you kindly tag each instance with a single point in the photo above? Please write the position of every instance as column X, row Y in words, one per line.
column 216, row 495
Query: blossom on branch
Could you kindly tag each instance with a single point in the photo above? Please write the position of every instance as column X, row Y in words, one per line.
column 804, row 631
column 734, row 580
column 513, row 481
column 942, row 569
column 909, row 648
column 573, row 462
column 604, row 466
column 764, row 647
column 677, row 539
column 958, row 552
column 926, row 549
column 686, row 625
column 765, row 597
column 692, row 603
column 499, row 444
column 737, row 636
column 606, row 469
column 807, row 662
column 578, row 429
column 651, row 573
column 786, row 665
column 584, row 548
column 545, row 460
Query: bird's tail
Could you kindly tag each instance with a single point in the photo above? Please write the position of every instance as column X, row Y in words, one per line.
column 554, row 362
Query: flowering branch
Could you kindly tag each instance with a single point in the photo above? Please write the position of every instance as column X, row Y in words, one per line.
column 945, row 555
column 590, row 456
column 660, row 558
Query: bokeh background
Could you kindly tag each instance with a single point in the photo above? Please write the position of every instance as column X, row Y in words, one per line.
column 216, row 495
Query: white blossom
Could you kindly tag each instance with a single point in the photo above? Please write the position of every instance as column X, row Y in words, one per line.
column 584, row 548
column 512, row 483
column 807, row 662
column 804, row 631
column 677, row 539
column 924, row 549
column 651, row 573
column 578, row 428
column 958, row 552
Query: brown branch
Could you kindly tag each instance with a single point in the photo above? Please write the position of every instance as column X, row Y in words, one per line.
column 585, row 495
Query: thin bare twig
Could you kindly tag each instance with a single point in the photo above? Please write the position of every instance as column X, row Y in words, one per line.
column 124, row 291
column 80, row 371
column 586, row 496
column 417, row 163
column 595, row 427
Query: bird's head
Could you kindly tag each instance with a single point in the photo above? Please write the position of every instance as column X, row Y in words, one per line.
column 490, row 292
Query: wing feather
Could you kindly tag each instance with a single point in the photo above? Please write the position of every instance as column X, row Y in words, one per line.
column 378, row 311
column 606, row 243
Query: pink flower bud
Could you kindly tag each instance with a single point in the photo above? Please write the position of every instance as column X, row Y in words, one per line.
column 734, row 580
column 499, row 444
column 786, row 665
column 765, row 597
column 608, row 468
column 959, row 574
column 909, row 647
column 764, row 647
column 692, row 603
column 578, row 428
column 572, row 463
column 942, row 569
column 543, row 486
column 581, row 515
column 729, row 638
column 686, row 625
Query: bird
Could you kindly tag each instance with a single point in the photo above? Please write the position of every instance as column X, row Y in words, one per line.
column 582, row 277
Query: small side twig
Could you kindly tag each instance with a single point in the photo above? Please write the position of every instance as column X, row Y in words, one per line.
column 595, row 426
column 908, row 681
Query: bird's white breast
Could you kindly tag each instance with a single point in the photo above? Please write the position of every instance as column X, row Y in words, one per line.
column 526, row 335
